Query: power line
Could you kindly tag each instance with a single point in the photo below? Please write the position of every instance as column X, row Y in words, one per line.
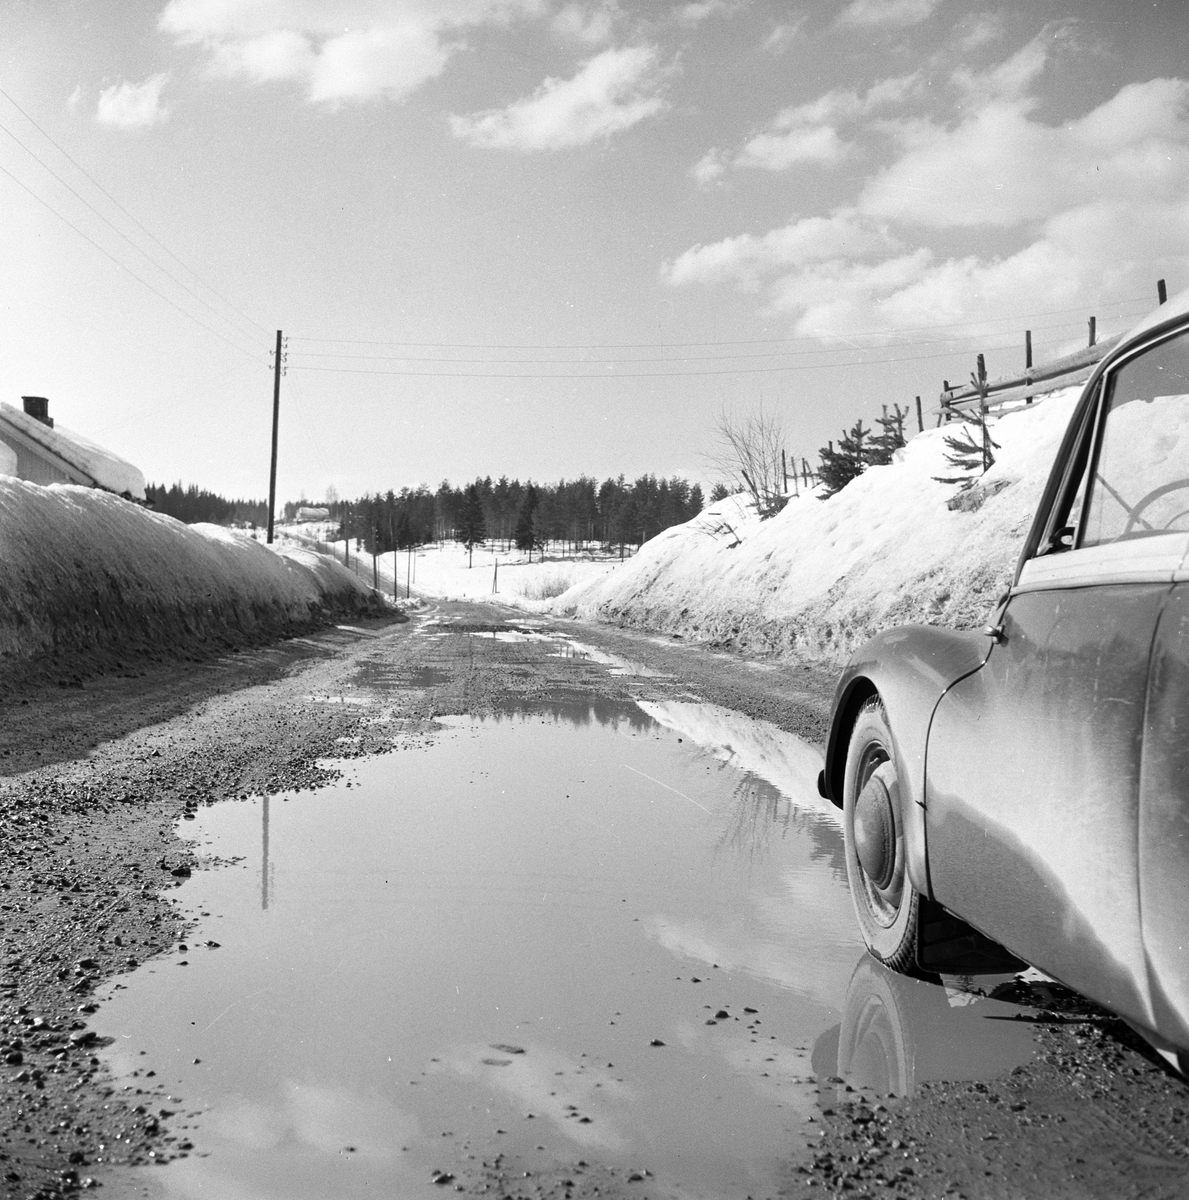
column 871, row 333
column 124, row 266
column 140, row 250
column 870, row 362
column 662, row 359
column 147, row 232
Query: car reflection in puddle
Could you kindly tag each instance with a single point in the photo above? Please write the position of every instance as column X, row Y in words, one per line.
column 583, row 928
column 897, row 1033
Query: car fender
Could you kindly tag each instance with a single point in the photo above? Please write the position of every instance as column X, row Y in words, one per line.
column 910, row 668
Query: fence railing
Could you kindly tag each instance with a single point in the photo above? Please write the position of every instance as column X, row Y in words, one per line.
column 1015, row 391
column 1010, row 392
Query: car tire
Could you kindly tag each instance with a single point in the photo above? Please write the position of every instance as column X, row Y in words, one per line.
column 886, row 903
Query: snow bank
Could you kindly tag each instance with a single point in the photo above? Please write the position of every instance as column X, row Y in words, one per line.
column 821, row 577
column 84, row 573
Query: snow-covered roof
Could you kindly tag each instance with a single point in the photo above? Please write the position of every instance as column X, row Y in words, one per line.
column 103, row 468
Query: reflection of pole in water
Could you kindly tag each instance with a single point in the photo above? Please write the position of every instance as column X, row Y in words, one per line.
column 264, row 860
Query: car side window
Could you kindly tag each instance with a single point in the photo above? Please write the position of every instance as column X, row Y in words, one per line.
column 1139, row 486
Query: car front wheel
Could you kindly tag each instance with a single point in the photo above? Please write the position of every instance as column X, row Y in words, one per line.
column 886, row 904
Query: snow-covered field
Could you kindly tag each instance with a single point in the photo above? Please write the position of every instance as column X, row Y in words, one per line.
column 821, row 577
column 442, row 572
column 85, row 572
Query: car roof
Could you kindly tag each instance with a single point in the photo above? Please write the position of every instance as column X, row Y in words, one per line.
column 1175, row 306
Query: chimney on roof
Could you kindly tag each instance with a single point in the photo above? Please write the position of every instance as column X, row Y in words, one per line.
column 38, row 407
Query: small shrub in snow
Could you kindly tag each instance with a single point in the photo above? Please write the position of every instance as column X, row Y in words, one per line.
column 966, row 454
column 546, row 587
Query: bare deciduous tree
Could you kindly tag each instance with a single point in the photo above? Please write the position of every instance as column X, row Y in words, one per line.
column 748, row 454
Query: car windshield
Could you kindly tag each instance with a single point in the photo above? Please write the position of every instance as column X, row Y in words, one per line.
column 1140, row 485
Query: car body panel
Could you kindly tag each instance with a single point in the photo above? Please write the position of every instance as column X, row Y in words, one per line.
column 910, row 668
column 1032, row 802
column 1046, row 767
column 1164, row 821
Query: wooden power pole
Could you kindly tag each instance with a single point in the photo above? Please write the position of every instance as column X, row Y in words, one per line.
column 276, row 414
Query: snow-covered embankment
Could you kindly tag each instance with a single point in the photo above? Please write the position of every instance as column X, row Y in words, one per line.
column 821, row 577
column 85, row 574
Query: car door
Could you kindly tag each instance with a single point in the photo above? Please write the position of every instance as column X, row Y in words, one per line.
column 1034, row 762
column 1164, row 820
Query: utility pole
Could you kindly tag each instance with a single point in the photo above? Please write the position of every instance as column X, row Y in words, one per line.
column 276, row 415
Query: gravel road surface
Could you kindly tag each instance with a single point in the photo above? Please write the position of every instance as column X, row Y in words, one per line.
column 94, row 777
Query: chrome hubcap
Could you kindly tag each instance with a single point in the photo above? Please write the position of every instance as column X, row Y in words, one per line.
column 875, row 831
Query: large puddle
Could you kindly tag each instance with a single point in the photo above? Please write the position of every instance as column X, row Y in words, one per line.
column 605, row 931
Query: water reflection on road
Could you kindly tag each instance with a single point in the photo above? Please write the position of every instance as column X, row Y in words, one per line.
column 577, row 929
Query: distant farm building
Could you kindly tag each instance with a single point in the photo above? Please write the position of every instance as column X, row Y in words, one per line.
column 313, row 514
column 32, row 449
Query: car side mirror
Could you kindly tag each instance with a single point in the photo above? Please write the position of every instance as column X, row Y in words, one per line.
column 994, row 627
column 1060, row 541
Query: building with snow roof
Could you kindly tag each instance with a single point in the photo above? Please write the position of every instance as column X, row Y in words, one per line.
column 31, row 448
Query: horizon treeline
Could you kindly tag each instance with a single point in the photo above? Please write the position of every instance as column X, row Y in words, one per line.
column 576, row 512
column 194, row 504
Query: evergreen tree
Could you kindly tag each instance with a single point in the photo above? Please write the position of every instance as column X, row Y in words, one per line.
column 839, row 467
column 883, row 445
column 471, row 529
column 969, row 454
column 525, row 533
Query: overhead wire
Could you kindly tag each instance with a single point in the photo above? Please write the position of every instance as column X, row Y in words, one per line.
column 871, row 333
column 146, row 231
column 628, row 374
column 660, row 359
column 124, row 266
column 120, row 233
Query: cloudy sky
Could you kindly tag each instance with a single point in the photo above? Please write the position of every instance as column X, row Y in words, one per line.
column 546, row 237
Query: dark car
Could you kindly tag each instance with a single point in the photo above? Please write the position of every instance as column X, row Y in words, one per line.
column 1022, row 793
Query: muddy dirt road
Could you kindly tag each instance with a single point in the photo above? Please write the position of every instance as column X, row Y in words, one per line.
column 130, row 812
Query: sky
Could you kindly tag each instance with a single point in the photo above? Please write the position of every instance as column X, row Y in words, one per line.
column 545, row 238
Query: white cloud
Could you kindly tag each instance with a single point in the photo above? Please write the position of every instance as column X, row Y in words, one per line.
column 279, row 54
column 807, row 133
column 133, row 105
column 75, row 97
column 783, row 36
column 1094, row 252
column 342, row 50
column 698, row 11
column 747, row 259
column 391, row 59
column 1001, row 167
column 610, row 93
column 982, row 28
column 1093, row 207
column 587, row 23
column 710, row 168
column 889, row 14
